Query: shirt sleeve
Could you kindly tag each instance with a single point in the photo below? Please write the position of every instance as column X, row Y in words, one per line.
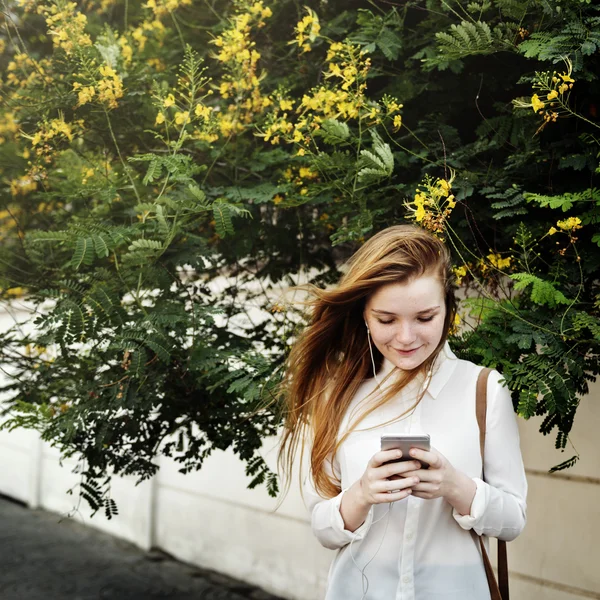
column 499, row 506
column 326, row 519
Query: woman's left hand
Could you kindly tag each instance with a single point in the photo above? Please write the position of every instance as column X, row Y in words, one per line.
column 442, row 480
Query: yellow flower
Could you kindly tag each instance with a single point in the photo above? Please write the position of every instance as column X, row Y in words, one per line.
column 553, row 94
column 566, row 77
column 107, row 71
column 536, row 103
column 202, row 111
column 169, row 101
column 497, row 261
column 459, row 273
column 286, row 104
column 181, row 117
column 160, row 118
column 445, row 185
column 86, row 94
column 570, row 224
column 552, row 231
column 563, row 87
column 397, row 121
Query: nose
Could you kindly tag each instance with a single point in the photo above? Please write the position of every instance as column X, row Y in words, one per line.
column 404, row 335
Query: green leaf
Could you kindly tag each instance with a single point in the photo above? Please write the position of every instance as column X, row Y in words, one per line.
column 222, row 215
column 542, row 292
column 334, row 132
column 145, row 244
column 377, row 164
column 84, row 253
column 100, row 246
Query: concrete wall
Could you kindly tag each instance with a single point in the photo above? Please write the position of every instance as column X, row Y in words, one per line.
column 210, row 518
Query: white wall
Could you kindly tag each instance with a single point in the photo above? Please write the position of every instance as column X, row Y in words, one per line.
column 209, row 518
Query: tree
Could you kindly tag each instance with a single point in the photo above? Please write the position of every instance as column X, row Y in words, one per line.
column 168, row 166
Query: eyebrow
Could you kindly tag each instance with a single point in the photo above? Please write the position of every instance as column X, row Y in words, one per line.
column 386, row 312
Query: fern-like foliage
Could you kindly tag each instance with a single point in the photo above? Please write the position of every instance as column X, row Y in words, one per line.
column 378, row 162
column 542, row 292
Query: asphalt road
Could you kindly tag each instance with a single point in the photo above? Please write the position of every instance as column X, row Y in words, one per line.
column 46, row 557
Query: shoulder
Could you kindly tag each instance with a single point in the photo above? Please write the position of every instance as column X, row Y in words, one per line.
column 467, row 370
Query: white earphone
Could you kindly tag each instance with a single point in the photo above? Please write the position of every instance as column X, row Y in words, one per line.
column 371, row 351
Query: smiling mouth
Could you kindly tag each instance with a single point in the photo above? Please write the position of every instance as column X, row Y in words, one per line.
column 406, row 351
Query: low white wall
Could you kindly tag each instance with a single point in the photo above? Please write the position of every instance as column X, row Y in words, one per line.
column 211, row 519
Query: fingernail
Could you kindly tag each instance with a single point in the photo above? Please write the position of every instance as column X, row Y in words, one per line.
column 399, row 453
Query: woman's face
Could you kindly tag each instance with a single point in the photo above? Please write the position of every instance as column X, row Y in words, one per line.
column 407, row 320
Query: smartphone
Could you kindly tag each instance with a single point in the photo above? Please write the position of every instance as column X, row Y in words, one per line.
column 404, row 442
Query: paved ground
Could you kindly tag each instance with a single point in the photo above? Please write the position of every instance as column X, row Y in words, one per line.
column 44, row 557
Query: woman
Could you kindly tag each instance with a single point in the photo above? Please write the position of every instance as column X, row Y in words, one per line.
column 374, row 360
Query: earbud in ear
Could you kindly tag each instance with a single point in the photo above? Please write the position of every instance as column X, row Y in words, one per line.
column 367, row 326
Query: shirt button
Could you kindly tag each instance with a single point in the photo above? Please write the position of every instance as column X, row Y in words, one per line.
column 409, row 537
column 406, row 579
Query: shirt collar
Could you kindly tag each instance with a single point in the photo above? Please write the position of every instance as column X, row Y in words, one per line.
column 442, row 369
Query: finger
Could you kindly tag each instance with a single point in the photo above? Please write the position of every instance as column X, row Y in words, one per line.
column 397, row 468
column 433, row 459
column 424, row 474
column 384, row 456
column 394, row 497
column 400, row 468
column 396, row 484
column 425, row 486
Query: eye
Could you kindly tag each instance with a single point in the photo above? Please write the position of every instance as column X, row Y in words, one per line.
column 426, row 319
column 385, row 322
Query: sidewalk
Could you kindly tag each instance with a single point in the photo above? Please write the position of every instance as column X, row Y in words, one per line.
column 46, row 557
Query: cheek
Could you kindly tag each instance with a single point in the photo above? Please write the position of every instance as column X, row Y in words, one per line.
column 381, row 334
column 435, row 329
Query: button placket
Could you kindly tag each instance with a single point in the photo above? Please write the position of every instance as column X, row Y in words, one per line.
column 406, row 587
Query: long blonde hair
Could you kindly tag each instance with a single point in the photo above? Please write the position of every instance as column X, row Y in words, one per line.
column 331, row 357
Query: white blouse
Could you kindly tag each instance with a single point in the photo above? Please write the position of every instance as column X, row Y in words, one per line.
column 417, row 549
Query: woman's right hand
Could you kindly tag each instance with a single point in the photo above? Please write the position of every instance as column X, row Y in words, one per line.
column 383, row 482
column 379, row 483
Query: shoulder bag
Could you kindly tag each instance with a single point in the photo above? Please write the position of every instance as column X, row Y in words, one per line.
column 498, row 588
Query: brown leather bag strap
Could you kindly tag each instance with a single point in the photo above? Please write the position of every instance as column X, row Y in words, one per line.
column 498, row 590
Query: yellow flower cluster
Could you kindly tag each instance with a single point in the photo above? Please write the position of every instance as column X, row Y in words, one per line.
column 162, row 8
column 558, row 85
column 52, row 129
column 299, row 177
column 139, row 34
column 22, row 186
column 307, row 30
column 343, row 98
column 45, row 139
column 498, row 262
column 8, row 126
column 110, row 87
column 239, row 58
column 87, row 173
column 21, row 64
column 66, row 26
column 433, row 203
column 553, row 97
column 570, row 224
column 126, row 50
column 201, row 114
column 107, row 89
column 460, row 273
